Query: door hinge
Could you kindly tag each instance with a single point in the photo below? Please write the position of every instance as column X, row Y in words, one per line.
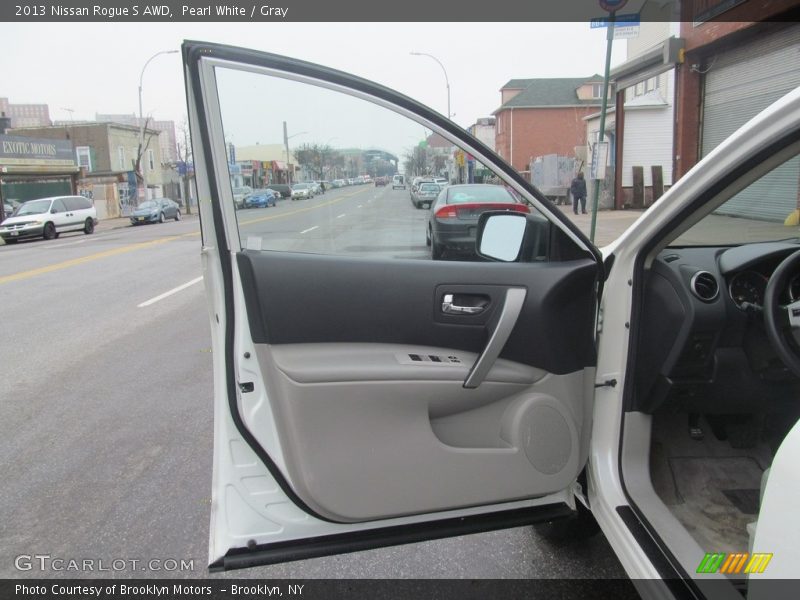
column 606, row 383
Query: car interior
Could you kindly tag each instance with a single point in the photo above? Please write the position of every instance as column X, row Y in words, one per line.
column 713, row 388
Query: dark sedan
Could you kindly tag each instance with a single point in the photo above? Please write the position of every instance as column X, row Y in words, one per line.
column 283, row 189
column 261, row 199
column 453, row 220
column 157, row 210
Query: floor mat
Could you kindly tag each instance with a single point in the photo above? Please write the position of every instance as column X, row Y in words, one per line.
column 744, row 500
column 712, row 491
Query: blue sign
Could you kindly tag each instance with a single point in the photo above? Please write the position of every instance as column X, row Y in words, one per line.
column 621, row 20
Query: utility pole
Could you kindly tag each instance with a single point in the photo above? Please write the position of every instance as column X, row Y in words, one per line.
column 612, row 6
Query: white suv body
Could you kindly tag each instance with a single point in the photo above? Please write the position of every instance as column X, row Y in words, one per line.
column 50, row 217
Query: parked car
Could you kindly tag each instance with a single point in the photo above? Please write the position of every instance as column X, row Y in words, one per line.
column 453, row 220
column 425, row 195
column 261, row 199
column 398, row 181
column 239, row 194
column 316, row 187
column 49, row 217
column 156, row 210
column 338, row 183
column 9, row 206
column 283, row 189
column 648, row 389
column 380, row 181
column 302, row 191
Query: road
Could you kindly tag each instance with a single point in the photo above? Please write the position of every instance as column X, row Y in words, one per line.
column 106, row 412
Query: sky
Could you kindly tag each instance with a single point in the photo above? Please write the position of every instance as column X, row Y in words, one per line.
column 83, row 69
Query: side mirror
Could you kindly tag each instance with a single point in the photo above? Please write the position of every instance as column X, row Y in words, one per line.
column 500, row 235
column 513, row 237
column 53, row 211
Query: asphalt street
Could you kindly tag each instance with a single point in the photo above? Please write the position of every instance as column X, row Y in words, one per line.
column 106, row 411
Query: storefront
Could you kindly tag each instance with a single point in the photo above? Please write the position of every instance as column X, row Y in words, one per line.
column 36, row 168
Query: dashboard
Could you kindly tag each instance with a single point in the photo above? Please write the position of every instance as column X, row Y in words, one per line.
column 702, row 345
column 747, row 270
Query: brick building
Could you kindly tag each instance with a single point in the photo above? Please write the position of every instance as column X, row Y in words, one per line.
column 25, row 115
column 544, row 116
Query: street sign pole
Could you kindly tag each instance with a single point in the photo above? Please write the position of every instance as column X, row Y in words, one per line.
column 604, row 106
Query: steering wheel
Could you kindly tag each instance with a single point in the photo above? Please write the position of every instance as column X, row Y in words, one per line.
column 783, row 321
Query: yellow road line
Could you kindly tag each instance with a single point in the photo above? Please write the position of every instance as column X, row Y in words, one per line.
column 300, row 210
column 142, row 245
column 89, row 258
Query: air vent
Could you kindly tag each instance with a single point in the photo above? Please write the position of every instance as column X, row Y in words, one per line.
column 704, row 285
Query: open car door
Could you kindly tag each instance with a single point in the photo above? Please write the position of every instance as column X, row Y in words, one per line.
column 375, row 381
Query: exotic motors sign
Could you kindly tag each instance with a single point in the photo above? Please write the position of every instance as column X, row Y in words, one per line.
column 25, row 151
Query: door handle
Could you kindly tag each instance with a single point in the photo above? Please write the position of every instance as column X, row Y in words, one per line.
column 448, row 307
column 509, row 313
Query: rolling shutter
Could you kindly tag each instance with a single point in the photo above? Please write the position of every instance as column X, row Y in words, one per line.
column 739, row 84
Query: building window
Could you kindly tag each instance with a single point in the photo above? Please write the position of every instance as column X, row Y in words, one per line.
column 151, row 160
column 84, row 157
column 597, row 90
column 121, row 156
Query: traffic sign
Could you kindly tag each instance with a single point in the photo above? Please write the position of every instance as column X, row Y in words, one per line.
column 619, row 20
column 599, row 160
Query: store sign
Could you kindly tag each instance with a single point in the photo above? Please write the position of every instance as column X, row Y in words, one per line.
column 25, row 151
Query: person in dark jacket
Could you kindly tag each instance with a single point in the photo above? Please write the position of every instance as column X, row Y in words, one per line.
column 578, row 191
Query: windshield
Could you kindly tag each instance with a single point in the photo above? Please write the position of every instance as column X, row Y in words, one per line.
column 300, row 186
column 35, row 207
column 148, row 204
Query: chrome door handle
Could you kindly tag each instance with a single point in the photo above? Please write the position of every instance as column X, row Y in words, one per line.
column 454, row 309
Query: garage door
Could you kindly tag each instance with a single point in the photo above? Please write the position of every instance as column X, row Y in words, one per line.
column 738, row 85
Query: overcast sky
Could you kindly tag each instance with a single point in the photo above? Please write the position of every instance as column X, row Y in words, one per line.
column 94, row 67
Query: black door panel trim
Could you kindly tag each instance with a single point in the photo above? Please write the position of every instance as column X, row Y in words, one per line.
column 303, row 549
column 355, row 300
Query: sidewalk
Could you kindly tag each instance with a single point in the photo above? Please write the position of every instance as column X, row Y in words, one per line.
column 120, row 222
column 610, row 223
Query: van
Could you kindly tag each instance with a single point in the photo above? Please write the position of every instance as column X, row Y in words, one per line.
column 50, row 217
column 398, row 181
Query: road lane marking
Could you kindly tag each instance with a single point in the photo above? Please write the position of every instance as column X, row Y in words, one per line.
column 174, row 290
column 340, row 216
column 300, row 210
column 64, row 245
column 360, row 206
column 310, row 229
column 92, row 257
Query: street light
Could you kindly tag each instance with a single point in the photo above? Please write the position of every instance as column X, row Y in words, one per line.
column 141, row 119
column 447, row 81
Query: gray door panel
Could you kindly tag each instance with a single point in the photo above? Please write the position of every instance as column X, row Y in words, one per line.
column 368, row 437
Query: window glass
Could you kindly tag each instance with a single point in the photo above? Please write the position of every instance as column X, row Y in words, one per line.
column 348, row 167
column 58, row 206
column 765, row 210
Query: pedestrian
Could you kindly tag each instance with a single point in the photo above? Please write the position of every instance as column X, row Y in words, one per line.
column 578, row 191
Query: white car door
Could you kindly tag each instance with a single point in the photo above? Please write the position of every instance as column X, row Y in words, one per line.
column 366, row 395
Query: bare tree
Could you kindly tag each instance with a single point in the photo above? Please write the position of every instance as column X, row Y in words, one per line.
column 185, row 157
